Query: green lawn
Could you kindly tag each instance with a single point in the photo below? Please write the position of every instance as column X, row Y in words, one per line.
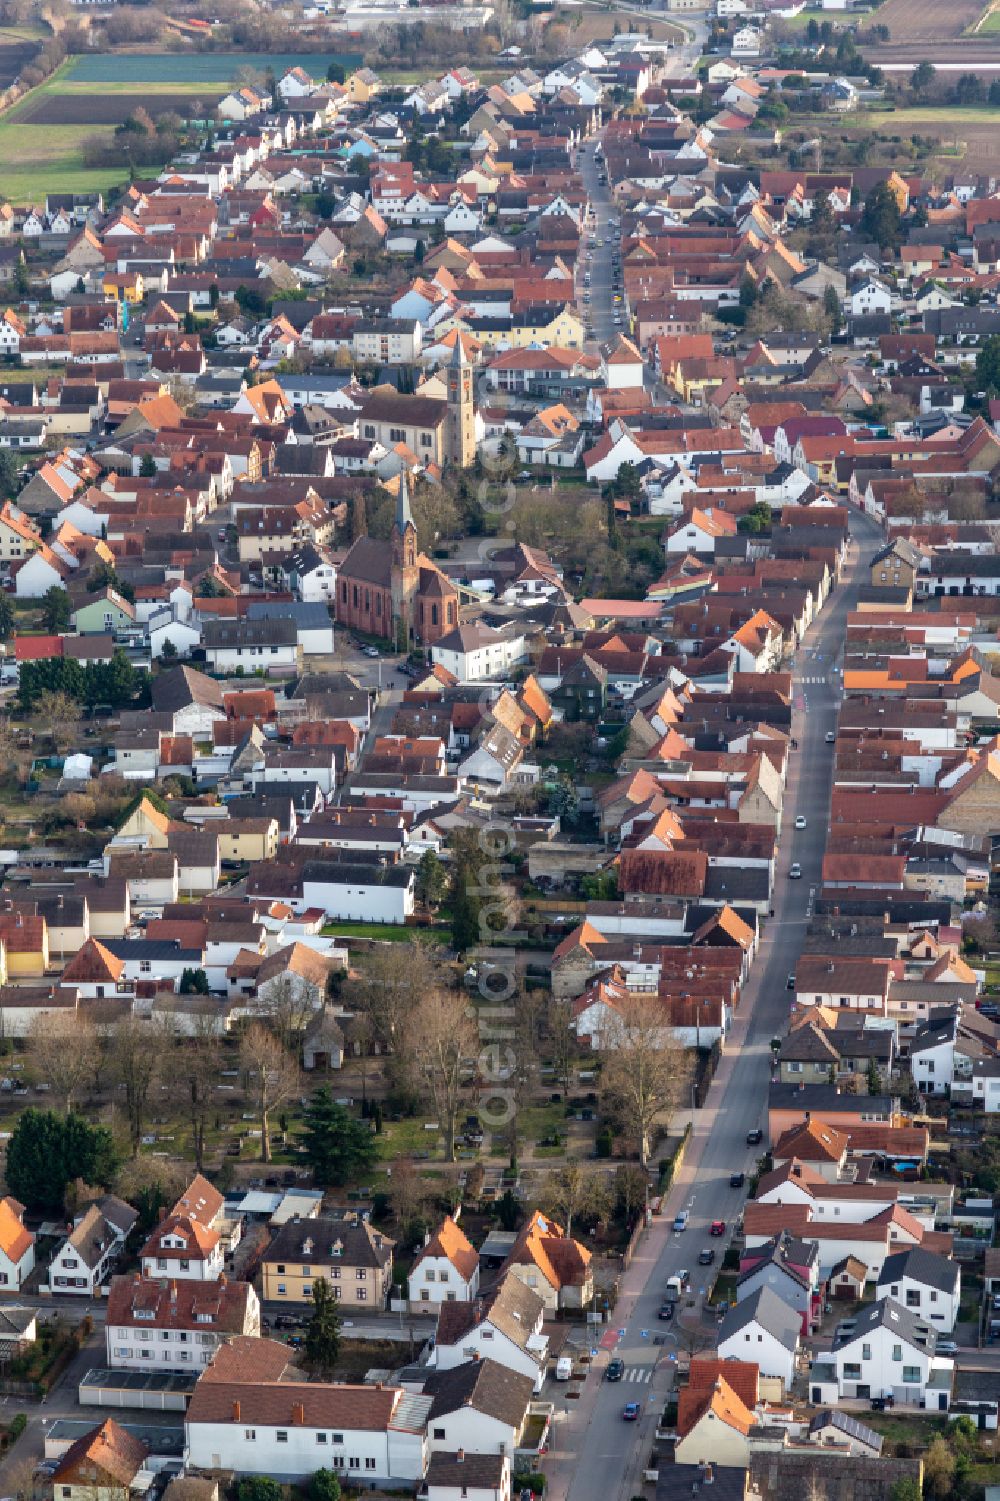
column 40, row 159
column 975, row 114
column 987, row 25
column 385, row 932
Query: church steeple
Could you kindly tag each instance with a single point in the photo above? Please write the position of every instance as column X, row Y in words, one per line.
column 404, row 516
column 461, row 444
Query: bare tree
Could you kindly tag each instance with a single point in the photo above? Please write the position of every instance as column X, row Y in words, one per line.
column 566, row 1192
column 273, row 1077
column 646, row 1070
column 389, row 991
column 64, row 1049
column 60, row 713
column 561, row 1039
column 443, row 1040
column 153, row 1179
column 408, row 1195
column 287, row 1005
column 192, row 1069
column 135, row 1055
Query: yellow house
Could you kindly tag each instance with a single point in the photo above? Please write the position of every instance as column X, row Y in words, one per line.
column 564, row 328
column 25, row 941
column 363, row 85
column 126, row 286
column 146, row 822
column 243, row 841
column 353, row 1257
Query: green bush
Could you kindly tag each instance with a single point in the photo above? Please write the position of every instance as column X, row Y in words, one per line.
column 18, row 1424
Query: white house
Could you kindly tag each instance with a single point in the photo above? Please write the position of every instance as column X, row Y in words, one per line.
column 357, row 893
column 17, row 1247
column 446, row 1270
column 87, row 1256
column 932, row 1052
column 243, row 1417
column 157, row 1324
column 459, row 1476
column 885, row 1351
column 928, row 1286
column 872, row 296
column 476, row 1407
column 182, row 1246
column 505, row 1326
column 765, row 1329
column 476, row 653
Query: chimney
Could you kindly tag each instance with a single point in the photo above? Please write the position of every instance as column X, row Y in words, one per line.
column 236, row 1411
column 460, row 1456
column 298, row 1415
column 708, row 1477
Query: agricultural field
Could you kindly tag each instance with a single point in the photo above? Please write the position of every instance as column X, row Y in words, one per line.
column 969, row 134
column 961, row 34
column 928, row 20
column 195, row 71
column 17, row 48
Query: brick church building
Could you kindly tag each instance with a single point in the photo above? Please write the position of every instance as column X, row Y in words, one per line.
column 388, row 589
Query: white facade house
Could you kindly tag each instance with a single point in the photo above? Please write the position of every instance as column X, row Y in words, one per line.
column 932, row 1053
column 17, row 1247
column 928, row 1286
column 872, row 296
column 888, row 1352
column 160, row 1324
column 243, row 1417
column 476, row 653
column 359, row 893
column 765, row 1329
column 446, row 1270
column 182, row 1247
column 505, row 1326
column 86, row 1258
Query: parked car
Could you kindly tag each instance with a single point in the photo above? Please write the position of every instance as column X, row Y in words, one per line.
column 755, row 1137
column 717, row 1227
column 795, row 871
column 790, row 983
column 616, row 1369
column 737, row 1180
column 666, row 1311
column 706, row 1257
column 831, row 739
column 681, row 1220
column 800, row 822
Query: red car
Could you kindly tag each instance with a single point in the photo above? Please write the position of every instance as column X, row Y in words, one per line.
column 718, row 1227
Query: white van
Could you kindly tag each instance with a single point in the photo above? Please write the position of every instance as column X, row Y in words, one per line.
column 564, row 1368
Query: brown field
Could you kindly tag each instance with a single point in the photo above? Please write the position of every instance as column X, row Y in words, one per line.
column 106, row 109
column 13, row 57
column 928, row 20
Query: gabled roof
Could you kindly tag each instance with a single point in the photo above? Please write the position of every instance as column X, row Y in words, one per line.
column 767, row 1310
column 452, row 1244
column 920, row 1266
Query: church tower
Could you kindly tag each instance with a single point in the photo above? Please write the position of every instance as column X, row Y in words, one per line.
column 461, row 445
column 405, row 571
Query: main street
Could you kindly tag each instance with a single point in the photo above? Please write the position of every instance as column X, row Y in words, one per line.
column 594, row 1456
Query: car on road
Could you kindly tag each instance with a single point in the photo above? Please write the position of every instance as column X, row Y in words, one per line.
column 666, row 1311
column 790, row 983
column 795, row 871
column 946, row 1347
column 830, row 737
column 616, row 1369
column 564, row 1368
column 706, row 1257
column 755, row 1137
column 717, row 1227
column 800, row 822
column 737, row 1180
column 681, row 1220
column 630, row 1412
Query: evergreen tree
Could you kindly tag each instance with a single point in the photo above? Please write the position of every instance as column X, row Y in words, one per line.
column 147, row 466
column 47, row 1151
column 432, row 881
column 880, row 217
column 322, row 1344
column 337, row 1147
column 6, row 617
column 56, row 610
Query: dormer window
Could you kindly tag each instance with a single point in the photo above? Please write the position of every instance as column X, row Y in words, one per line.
column 307, row 1246
column 337, row 1249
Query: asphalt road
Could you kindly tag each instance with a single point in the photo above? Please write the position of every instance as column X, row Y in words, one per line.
column 594, row 1455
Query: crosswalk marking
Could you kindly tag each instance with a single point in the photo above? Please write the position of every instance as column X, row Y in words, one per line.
column 814, row 680
column 639, row 1373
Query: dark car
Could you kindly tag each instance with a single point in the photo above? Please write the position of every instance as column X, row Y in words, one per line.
column 666, row 1311
column 630, row 1412
column 616, row 1369
column 754, row 1138
column 706, row 1257
column 737, row 1180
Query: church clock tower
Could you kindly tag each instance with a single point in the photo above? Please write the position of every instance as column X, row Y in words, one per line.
column 405, row 572
column 461, row 445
